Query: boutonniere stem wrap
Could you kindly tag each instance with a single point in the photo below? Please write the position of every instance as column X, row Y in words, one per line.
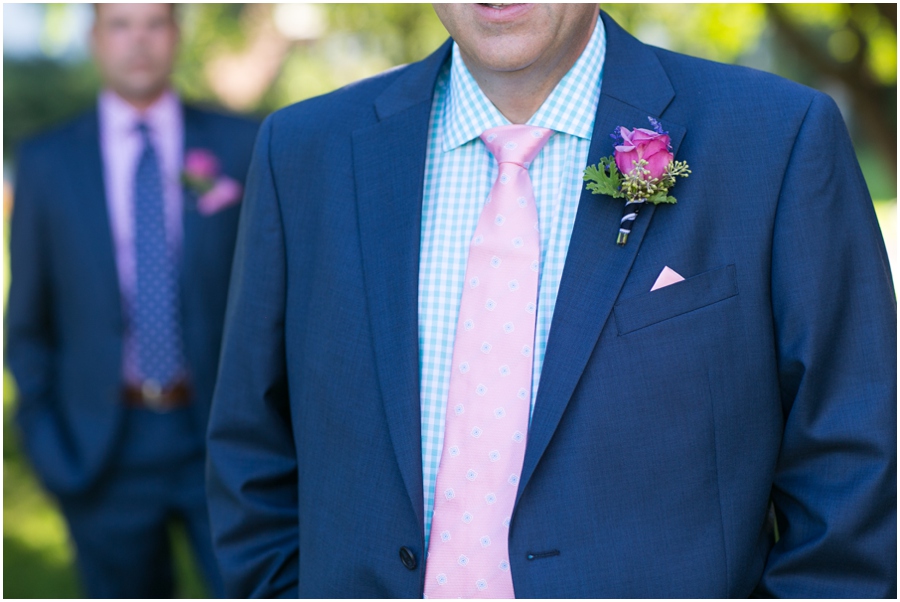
column 642, row 170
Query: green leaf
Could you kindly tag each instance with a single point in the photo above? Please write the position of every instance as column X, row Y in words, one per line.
column 670, row 200
column 658, row 197
column 604, row 178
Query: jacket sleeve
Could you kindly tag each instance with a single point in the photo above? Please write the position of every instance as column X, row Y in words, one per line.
column 252, row 466
column 835, row 312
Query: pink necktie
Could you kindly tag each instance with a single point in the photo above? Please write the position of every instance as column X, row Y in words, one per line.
column 490, row 384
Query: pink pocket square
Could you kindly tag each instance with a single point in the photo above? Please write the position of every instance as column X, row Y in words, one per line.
column 666, row 277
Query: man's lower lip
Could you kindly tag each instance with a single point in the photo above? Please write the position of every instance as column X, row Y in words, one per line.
column 501, row 12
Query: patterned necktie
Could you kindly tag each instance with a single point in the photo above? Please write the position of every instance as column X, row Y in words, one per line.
column 155, row 311
column 490, row 384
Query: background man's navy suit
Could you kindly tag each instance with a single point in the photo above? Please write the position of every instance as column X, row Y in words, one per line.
column 665, row 422
column 65, row 324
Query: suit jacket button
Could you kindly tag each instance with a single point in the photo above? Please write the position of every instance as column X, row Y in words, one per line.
column 408, row 558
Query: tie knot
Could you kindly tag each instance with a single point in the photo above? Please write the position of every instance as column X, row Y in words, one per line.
column 518, row 144
column 144, row 130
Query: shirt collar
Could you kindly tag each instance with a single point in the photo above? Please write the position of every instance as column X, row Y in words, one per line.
column 569, row 109
column 122, row 118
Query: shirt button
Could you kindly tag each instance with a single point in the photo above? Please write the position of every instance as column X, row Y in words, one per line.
column 408, row 558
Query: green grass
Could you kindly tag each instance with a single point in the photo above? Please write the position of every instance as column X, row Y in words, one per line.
column 37, row 559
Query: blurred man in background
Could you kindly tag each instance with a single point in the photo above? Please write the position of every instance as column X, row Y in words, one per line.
column 121, row 242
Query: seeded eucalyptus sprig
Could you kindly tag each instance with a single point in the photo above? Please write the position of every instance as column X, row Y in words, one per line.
column 636, row 186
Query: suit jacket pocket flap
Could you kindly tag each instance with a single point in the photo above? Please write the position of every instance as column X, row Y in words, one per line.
column 676, row 299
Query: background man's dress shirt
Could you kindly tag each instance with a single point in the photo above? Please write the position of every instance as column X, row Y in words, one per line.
column 120, row 144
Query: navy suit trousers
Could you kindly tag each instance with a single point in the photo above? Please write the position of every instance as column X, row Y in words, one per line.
column 155, row 480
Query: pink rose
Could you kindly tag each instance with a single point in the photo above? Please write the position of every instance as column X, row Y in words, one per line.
column 644, row 144
column 201, row 164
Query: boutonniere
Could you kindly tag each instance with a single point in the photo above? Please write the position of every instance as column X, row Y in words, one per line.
column 642, row 170
column 202, row 175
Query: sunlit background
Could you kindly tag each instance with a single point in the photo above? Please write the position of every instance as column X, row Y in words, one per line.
column 255, row 58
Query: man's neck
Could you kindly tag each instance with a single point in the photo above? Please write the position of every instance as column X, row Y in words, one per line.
column 142, row 103
column 519, row 94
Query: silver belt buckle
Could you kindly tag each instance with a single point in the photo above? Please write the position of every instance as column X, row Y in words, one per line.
column 151, row 391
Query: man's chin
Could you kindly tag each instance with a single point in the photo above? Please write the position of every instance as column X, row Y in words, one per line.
column 141, row 94
column 506, row 54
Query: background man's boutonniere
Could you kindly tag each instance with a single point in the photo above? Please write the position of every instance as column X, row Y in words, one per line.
column 213, row 190
column 642, row 170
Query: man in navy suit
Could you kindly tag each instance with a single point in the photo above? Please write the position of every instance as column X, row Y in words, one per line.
column 119, row 282
column 736, row 354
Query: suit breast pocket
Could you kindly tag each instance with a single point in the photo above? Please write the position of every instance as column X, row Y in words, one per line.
column 676, row 299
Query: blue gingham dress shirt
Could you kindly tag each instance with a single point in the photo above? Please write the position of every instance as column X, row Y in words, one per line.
column 459, row 172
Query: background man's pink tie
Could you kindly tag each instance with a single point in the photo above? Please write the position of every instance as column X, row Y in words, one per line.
column 490, row 383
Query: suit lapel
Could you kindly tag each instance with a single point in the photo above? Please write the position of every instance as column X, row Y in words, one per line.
column 389, row 202
column 634, row 87
column 194, row 137
column 87, row 172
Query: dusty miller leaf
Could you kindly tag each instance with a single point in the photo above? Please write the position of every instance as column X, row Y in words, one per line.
column 661, row 197
column 604, row 178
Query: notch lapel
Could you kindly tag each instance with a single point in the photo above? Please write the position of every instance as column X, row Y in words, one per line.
column 87, row 172
column 634, row 87
column 389, row 163
column 194, row 137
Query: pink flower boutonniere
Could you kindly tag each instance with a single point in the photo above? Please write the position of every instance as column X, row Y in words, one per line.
column 642, row 170
column 202, row 176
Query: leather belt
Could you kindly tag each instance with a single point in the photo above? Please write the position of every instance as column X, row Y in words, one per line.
column 150, row 395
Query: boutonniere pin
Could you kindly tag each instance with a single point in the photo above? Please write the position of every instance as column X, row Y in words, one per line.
column 202, row 175
column 642, row 170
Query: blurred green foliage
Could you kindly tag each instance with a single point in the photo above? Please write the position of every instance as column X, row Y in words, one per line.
column 37, row 560
column 41, row 92
column 846, row 50
column 850, row 51
column 359, row 40
column 720, row 32
column 852, row 30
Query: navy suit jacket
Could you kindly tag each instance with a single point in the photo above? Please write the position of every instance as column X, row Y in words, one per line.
column 666, row 422
column 64, row 319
